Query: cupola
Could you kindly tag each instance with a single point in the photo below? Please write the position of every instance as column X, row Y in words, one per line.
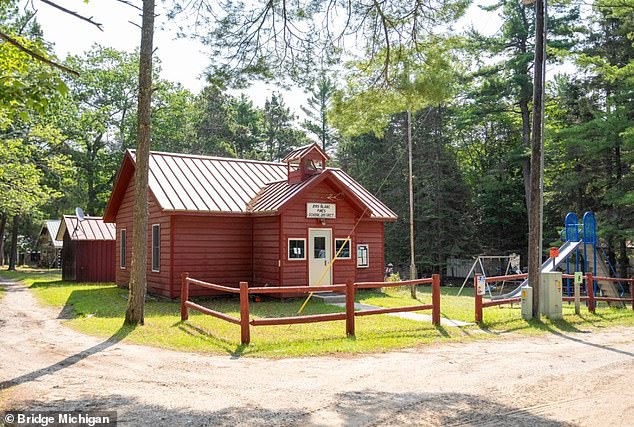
column 304, row 162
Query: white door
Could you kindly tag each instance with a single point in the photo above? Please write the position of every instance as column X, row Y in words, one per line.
column 319, row 256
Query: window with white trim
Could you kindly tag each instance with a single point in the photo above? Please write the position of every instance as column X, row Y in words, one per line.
column 122, row 249
column 156, row 247
column 296, row 249
column 363, row 256
column 345, row 252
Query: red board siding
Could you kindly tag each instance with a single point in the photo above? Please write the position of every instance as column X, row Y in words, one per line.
column 213, row 249
column 95, row 261
column 296, row 225
column 266, row 248
column 88, row 260
column 158, row 282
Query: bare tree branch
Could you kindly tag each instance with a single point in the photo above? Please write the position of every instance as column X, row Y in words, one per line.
column 130, row 4
column 36, row 55
column 75, row 14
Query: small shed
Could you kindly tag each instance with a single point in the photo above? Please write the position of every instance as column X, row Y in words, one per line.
column 88, row 253
column 226, row 220
column 48, row 245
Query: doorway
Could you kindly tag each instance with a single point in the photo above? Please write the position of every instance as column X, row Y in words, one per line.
column 319, row 256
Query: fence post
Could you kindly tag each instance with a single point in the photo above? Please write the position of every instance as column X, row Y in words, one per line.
column 350, row 308
column 435, row 299
column 590, row 292
column 478, row 299
column 632, row 291
column 184, row 296
column 245, row 333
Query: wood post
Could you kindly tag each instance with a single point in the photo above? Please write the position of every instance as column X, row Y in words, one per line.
column 245, row 333
column 577, row 297
column 184, row 296
column 590, row 292
column 350, row 308
column 632, row 291
column 435, row 299
column 478, row 299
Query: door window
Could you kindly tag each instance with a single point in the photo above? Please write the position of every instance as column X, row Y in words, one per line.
column 319, row 247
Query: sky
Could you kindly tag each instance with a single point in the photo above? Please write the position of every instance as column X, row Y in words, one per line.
column 182, row 60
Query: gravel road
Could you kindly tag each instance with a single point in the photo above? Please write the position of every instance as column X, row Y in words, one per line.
column 581, row 378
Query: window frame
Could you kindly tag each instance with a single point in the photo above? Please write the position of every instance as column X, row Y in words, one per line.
column 123, row 249
column 288, row 248
column 156, row 268
column 349, row 248
column 367, row 255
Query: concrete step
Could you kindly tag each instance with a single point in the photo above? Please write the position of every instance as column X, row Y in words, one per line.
column 330, row 297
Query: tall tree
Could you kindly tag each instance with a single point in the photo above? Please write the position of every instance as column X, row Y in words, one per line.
column 316, row 110
column 102, row 99
column 138, row 271
column 277, row 125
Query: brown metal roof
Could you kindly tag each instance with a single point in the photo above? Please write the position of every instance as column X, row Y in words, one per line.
column 300, row 152
column 276, row 194
column 195, row 183
column 91, row 228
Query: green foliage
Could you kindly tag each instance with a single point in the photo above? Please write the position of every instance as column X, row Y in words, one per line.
column 278, row 133
column 418, row 79
column 318, row 103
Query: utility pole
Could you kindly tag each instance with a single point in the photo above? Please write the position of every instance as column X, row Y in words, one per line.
column 535, row 214
column 412, row 263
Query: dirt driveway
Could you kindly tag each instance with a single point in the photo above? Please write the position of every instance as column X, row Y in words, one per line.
column 576, row 379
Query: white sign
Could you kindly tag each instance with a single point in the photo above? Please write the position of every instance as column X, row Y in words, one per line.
column 321, row 210
column 482, row 285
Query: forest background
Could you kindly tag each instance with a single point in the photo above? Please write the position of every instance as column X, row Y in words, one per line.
column 469, row 95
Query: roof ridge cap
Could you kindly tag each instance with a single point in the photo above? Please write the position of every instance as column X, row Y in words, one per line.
column 206, row 156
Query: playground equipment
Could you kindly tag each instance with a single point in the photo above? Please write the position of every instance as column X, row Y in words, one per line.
column 578, row 238
column 482, row 261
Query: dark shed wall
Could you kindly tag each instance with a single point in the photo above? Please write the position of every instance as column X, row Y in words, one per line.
column 68, row 258
column 95, row 261
column 214, row 249
column 158, row 282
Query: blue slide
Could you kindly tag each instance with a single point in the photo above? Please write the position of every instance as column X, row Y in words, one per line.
column 564, row 251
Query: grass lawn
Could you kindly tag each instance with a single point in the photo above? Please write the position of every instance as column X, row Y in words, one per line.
column 98, row 309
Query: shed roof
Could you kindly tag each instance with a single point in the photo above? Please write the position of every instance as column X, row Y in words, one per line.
column 206, row 184
column 52, row 227
column 91, row 228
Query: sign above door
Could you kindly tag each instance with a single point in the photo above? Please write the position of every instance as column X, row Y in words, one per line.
column 321, row 210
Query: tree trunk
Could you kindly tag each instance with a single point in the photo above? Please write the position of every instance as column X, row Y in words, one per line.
column 412, row 262
column 13, row 255
column 138, row 270
column 536, row 190
column 526, row 140
column 3, row 223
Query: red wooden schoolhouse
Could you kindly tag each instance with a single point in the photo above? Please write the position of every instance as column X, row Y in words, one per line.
column 227, row 220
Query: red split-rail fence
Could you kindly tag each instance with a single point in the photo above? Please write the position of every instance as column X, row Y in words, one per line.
column 348, row 290
column 589, row 297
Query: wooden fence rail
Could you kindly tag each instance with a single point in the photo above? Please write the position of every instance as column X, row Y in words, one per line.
column 348, row 289
column 590, row 298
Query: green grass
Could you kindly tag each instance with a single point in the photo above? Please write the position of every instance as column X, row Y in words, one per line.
column 98, row 309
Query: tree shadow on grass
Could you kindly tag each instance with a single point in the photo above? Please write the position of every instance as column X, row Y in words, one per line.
column 354, row 408
column 118, row 336
column 230, row 347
